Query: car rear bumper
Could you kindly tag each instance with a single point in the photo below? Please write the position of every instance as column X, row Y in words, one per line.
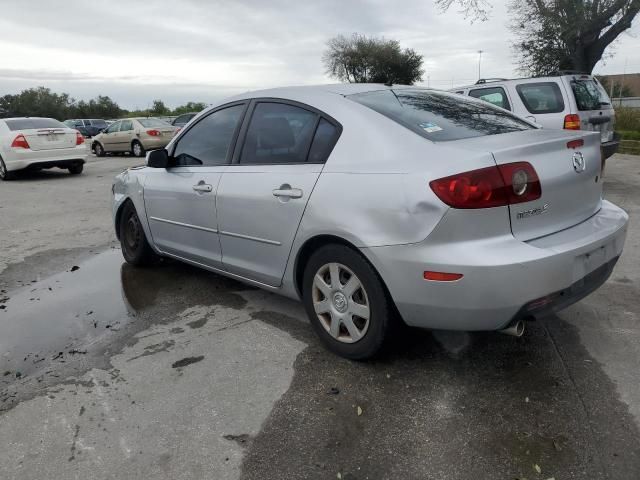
column 609, row 148
column 19, row 160
column 503, row 278
column 153, row 143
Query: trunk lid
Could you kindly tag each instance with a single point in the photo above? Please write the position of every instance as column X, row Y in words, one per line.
column 570, row 178
column 50, row 138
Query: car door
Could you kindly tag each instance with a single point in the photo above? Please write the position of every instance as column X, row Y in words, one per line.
column 124, row 136
column 180, row 201
column 109, row 138
column 263, row 194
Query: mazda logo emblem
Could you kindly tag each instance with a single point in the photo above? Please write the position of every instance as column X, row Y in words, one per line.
column 579, row 163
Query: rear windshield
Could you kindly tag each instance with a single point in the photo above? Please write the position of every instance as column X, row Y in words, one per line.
column 153, row 122
column 33, row 123
column 543, row 97
column 441, row 116
column 589, row 95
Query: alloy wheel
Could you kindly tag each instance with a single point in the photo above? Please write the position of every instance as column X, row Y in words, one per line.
column 341, row 302
column 137, row 149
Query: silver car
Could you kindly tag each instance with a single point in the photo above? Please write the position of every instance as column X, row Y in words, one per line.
column 376, row 205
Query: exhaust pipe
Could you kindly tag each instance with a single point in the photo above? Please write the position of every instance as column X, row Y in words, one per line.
column 515, row 328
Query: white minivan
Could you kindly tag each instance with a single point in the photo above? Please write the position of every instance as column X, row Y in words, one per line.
column 569, row 100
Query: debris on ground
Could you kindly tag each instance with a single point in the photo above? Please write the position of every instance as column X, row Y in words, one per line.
column 333, row 391
column 74, row 268
column 359, row 410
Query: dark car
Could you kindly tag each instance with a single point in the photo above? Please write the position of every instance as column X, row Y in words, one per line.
column 88, row 127
column 183, row 119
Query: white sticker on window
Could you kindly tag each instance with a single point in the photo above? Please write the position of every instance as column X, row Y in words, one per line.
column 430, row 127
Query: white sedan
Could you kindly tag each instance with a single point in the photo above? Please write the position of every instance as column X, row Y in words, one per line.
column 35, row 143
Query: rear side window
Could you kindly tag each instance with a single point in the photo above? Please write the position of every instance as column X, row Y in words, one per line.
column 126, row 126
column 208, row 141
column 543, row 97
column 494, row 95
column 323, row 142
column 278, row 133
column 589, row 95
column 441, row 116
column 33, row 123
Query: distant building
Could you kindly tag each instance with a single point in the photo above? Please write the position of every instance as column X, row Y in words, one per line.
column 630, row 82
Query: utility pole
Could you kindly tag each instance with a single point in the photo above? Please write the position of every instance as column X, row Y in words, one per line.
column 479, row 63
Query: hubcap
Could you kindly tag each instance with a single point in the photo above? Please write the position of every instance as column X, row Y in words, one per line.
column 341, row 302
column 137, row 150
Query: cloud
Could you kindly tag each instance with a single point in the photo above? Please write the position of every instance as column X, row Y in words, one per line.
column 213, row 48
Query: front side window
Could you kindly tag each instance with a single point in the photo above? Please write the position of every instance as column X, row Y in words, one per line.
column 278, row 133
column 441, row 116
column 113, row 128
column 126, row 126
column 494, row 95
column 543, row 97
column 208, row 142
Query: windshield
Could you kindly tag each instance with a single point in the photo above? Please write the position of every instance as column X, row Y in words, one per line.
column 589, row 95
column 33, row 123
column 153, row 122
column 441, row 116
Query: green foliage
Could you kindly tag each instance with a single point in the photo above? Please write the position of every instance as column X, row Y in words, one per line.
column 625, row 135
column 159, row 108
column 628, row 119
column 568, row 34
column 362, row 59
column 189, row 107
column 619, row 90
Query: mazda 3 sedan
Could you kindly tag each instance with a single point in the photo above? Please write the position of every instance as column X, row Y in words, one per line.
column 376, row 205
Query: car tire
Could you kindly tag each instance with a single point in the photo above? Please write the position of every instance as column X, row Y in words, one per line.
column 137, row 150
column 98, row 149
column 76, row 169
column 339, row 285
column 133, row 241
column 5, row 175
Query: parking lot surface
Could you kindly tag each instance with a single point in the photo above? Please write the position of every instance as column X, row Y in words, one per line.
column 110, row 371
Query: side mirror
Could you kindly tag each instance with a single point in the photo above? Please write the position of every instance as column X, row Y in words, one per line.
column 158, row 159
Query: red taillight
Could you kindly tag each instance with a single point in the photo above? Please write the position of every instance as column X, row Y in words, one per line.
column 575, row 143
column 20, row 142
column 572, row 122
column 442, row 276
column 154, row 133
column 79, row 138
column 489, row 187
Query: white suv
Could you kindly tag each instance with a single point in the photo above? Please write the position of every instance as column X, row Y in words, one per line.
column 569, row 100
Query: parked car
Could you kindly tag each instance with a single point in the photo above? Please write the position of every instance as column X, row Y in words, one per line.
column 183, row 119
column 567, row 100
column 36, row 143
column 367, row 200
column 89, row 127
column 135, row 135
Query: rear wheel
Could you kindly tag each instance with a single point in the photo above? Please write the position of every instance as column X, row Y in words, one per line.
column 98, row 149
column 346, row 302
column 137, row 149
column 5, row 174
column 76, row 169
column 135, row 247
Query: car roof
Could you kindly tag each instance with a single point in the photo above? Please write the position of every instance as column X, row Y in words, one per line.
column 338, row 89
column 486, row 83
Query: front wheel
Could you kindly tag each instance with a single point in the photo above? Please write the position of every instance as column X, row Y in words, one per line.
column 137, row 149
column 98, row 149
column 346, row 302
column 135, row 247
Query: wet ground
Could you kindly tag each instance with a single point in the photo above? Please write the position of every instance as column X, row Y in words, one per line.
column 109, row 371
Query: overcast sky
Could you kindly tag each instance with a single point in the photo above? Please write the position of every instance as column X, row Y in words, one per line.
column 181, row 50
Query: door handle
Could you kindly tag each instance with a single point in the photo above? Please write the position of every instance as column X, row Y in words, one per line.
column 203, row 187
column 287, row 192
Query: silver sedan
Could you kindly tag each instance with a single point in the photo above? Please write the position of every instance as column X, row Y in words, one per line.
column 378, row 205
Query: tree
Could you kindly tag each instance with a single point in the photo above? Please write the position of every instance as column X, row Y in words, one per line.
column 557, row 35
column 362, row 59
column 568, row 34
column 36, row 102
column 615, row 88
column 159, row 108
column 189, row 107
column 474, row 9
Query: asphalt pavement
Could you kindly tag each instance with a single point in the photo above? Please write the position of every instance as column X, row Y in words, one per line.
column 111, row 371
